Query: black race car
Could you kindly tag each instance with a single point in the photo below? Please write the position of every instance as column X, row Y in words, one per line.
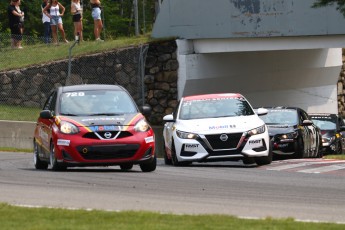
column 333, row 132
column 292, row 132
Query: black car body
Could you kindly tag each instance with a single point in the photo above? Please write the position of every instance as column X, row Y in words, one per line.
column 333, row 132
column 292, row 132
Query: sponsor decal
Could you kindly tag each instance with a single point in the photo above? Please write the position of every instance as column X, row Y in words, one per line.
column 63, row 142
column 191, row 147
column 255, row 142
column 104, row 119
column 104, row 128
column 149, row 139
column 43, row 135
column 215, row 127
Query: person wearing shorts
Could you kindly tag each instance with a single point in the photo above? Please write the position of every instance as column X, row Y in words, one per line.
column 96, row 15
column 56, row 19
column 77, row 17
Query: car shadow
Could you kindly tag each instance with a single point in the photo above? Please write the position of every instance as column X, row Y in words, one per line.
column 89, row 169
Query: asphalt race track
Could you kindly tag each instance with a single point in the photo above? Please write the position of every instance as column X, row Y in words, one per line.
column 305, row 189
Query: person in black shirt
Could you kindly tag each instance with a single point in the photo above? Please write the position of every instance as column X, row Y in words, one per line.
column 16, row 20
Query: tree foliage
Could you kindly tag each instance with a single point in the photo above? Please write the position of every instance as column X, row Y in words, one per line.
column 340, row 4
column 118, row 17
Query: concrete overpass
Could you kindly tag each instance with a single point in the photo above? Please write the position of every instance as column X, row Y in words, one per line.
column 273, row 52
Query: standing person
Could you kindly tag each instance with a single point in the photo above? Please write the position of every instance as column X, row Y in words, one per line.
column 16, row 20
column 55, row 19
column 77, row 16
column 46, row 23
column 96, row 14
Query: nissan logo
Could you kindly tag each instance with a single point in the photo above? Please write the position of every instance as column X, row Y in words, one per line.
column 107, row 135
column 223, row 137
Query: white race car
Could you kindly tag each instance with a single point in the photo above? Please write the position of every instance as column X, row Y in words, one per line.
column 216, row 127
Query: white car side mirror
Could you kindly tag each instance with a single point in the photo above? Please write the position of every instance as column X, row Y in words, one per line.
column 261, row 111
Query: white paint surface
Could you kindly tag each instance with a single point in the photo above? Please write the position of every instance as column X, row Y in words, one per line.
column 305, row 78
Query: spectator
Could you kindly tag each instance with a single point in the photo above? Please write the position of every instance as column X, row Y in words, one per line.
column 46, row 23
column 55, row 19
column 16, row 23
column 77, row 16
column 96, row 14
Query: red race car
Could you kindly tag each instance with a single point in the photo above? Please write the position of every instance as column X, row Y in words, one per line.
column 93, row 125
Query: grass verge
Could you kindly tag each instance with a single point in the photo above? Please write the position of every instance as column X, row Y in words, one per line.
column 18, row 113
column 39, row 54
column 336, row 157
column 14, row 217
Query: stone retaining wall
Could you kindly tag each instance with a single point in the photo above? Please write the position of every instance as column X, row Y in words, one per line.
column 29, row 87
column 341, row 89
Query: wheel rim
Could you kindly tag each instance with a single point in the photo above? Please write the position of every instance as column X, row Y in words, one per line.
column 52, row 155
column 35, row 153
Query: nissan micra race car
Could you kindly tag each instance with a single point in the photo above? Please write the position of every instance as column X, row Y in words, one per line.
column 215, row 127
column 93, row 125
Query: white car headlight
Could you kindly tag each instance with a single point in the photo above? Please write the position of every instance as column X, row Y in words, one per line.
column 142, row 126
column 68, row 128
column 185, row 135
column 257, row 130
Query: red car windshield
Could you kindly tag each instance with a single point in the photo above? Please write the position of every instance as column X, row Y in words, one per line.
column 88, row 103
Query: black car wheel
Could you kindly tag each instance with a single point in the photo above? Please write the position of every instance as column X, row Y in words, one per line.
column 149, row 166
column 167, row 161
column 174, row 160
column 338, row 148
column 265, row 160
column 299, row 149
column 126, row 167
column 248, row 160
column 55, row 166
column 320, row 153
column 39, row 164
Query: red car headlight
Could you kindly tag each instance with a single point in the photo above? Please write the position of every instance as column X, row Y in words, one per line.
column 68, row 128
column 142, row 126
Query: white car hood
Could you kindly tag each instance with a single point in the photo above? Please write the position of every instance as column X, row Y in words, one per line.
column 219, row 125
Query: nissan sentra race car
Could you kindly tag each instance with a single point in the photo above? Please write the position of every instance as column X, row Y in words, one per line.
column 215, row 127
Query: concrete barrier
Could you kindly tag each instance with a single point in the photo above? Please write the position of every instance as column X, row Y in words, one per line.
column 19, row 134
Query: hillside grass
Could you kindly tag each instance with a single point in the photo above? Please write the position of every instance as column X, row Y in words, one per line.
column 41, row 53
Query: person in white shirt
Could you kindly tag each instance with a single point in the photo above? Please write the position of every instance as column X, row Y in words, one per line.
column 77, row 16
column 56, row 19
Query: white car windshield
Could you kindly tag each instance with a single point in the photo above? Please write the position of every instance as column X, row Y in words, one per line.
column 280, row 117
column 214, row 107
column 88, row 103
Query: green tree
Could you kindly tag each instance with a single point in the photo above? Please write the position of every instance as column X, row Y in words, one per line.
column 340, row 4
column 117, row 15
